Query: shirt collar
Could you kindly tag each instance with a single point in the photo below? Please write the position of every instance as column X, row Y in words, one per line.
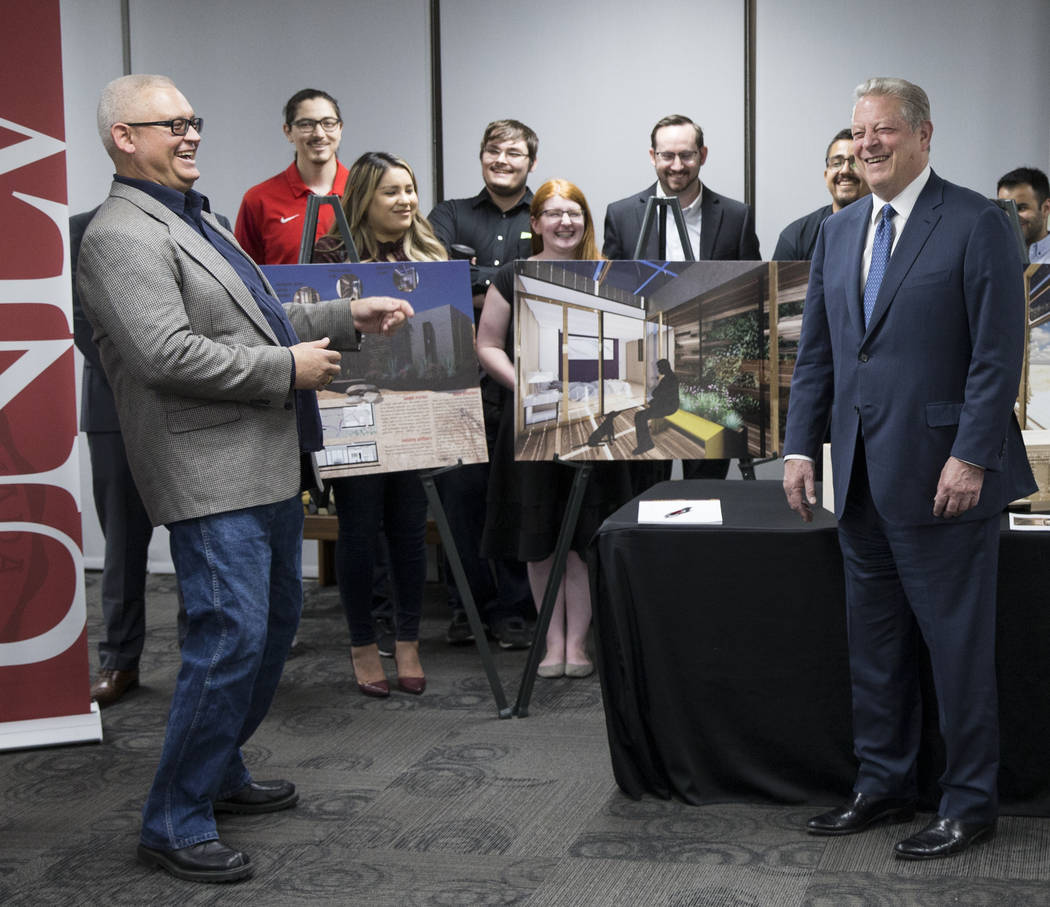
column 1039, row 250
column 694, row 205
column 483, row 198
column 190, row 202
column 904, row 201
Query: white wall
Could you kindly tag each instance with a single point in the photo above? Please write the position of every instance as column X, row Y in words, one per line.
column 238, row 61
column 591, row 78
column 985, row 67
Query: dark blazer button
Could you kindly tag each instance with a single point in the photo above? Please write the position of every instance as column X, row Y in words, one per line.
column 863, row 357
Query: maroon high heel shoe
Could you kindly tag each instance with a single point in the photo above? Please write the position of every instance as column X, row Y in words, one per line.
column 377, row 689
column 413, row 685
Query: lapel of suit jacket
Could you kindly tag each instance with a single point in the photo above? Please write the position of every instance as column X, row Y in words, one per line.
column 923, row 218
column 202, row 251
column 856, row 236
column 710, row 223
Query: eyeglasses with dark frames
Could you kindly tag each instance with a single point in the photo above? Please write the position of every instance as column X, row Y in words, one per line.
column 178, row 126
column 836, row 162
column 328, row 124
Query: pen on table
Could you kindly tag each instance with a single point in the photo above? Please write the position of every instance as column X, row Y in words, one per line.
column 668, row 516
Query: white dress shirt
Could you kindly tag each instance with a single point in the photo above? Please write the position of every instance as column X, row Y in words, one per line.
column 903, row 203
column 691, row 215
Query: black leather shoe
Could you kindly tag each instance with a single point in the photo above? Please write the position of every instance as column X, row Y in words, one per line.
column 210, row 861
column 944, row 838
column 860, row 813
column 259, row 797
column 111, row 684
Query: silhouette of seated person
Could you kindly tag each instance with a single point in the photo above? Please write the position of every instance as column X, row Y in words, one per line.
column 663, row 402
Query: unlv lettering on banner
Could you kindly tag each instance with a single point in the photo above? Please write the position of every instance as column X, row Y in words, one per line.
column 43, row 649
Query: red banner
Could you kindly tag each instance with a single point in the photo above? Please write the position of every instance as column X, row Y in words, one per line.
column 44, row 679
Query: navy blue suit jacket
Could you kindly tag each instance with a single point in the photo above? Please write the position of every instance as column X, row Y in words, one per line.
column 727, row 228
column 936, row 372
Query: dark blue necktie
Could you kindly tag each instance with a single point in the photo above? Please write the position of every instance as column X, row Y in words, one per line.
column 880, row 257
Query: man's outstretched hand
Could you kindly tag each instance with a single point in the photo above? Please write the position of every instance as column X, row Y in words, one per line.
column 380, row 314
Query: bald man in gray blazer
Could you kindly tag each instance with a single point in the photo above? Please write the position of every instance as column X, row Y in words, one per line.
column 215, row 397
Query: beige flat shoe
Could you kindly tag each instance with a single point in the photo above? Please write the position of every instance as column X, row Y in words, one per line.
column 550, row 671
column 580, row 670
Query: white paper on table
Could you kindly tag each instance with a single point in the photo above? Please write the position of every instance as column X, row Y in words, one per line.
column 684, row 512
column 1030, row 522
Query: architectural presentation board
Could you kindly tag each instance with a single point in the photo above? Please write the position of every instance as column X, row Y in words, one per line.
column 1034, row 402
column 409, row 401
column 651, row 359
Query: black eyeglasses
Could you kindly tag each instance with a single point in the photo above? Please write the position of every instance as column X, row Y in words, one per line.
column 328, row 124
column 836, row 162
column 178, row 126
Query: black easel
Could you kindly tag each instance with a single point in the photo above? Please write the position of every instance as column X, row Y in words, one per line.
column 306, row 255
column 437, row 510
column 664, row 203
column 306, row 244
column 550, row 594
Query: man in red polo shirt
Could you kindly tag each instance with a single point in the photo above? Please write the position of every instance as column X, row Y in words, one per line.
column 270, row 222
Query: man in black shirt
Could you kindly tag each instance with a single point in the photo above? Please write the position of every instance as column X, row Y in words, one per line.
column 495, row 222
column 845, row 183
column 494, row 225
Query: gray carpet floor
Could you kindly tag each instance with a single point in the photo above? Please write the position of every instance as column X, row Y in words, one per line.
column 433, row 800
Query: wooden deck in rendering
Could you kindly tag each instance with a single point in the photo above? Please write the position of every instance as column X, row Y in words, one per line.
column 545, row 439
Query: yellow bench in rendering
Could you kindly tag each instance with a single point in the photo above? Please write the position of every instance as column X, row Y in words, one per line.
column 710, row 434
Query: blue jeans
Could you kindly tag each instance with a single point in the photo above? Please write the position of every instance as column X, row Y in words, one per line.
column 241, row 581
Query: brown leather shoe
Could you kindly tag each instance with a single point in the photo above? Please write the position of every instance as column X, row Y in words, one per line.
column 112, row 684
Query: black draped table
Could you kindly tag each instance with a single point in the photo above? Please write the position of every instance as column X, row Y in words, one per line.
column 723, row 662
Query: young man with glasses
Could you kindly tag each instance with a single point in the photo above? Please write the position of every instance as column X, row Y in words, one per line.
column 494, row 224
column 846, row 184
column 270, row 222
column 719, row 228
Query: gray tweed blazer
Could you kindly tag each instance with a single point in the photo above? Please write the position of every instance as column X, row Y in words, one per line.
column 201, row 383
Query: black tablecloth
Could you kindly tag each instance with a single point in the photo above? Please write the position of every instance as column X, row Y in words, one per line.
column 723, row 662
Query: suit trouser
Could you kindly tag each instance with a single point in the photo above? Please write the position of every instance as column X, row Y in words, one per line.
column 936, row 582
column 127, row 531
